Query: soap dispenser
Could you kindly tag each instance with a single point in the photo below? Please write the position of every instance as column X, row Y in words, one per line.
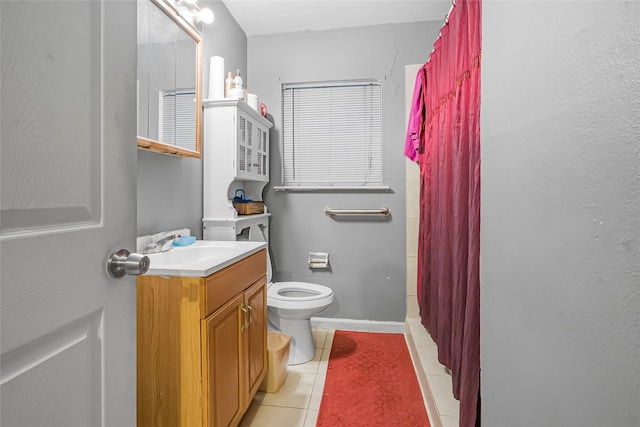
column 228, row 85
column 238, row 80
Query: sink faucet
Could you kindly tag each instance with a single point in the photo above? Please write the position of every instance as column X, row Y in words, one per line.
column 161, row 245
column 166, row 242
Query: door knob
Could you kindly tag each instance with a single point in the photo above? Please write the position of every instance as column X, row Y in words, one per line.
column 122, row 262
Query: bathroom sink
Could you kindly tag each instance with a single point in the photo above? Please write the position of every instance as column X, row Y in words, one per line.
column 200, row 259
column 193, row 253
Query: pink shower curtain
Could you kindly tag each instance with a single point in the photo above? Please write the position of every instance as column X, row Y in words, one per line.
column 449, row 233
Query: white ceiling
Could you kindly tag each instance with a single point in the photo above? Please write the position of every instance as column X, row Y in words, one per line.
column 258, row 17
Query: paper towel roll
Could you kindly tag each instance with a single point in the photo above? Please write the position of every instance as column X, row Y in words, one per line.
column 216, row 77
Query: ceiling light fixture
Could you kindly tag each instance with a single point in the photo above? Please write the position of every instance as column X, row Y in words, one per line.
column 192, row 13
column 204, row 15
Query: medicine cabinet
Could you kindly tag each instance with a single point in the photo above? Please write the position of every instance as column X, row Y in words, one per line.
column 169, row 81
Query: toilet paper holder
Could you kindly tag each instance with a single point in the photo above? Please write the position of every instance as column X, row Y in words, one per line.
column 318, row 260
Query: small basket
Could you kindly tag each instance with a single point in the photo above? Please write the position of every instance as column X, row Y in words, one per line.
column 246, row 206
column 249, row 208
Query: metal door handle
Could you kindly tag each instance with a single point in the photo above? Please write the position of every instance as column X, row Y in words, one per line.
column 244, row 310
column 250, row 315
column 122, row 262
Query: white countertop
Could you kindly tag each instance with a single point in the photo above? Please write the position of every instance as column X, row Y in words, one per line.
column 200, row 259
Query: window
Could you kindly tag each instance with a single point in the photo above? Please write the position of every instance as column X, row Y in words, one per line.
column 331, row 135
column 178, row 118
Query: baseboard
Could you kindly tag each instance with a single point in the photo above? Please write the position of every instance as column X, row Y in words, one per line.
column 357, row 325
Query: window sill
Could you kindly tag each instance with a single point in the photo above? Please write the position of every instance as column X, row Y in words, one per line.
column 336, row 189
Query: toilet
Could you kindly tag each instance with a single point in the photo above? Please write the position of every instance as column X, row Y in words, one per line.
column 290, row 307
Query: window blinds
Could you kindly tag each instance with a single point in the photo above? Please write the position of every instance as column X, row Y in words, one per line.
column 178, row 118
column 331, row 135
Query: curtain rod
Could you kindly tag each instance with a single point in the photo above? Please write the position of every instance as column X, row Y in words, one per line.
column 446, row 22
column 446, row 18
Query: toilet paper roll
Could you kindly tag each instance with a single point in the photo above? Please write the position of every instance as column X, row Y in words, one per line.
column 216, row 77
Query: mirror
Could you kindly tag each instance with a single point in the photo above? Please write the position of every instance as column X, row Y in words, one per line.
column 169, row 81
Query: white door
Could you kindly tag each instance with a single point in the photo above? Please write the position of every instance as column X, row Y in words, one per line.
column 68, row 199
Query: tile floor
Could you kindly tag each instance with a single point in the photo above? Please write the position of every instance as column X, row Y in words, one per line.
column 297, row 403
column 435, row 382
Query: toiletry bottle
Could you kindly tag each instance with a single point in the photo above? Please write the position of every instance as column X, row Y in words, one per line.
column 238, row 80
column 228, row 85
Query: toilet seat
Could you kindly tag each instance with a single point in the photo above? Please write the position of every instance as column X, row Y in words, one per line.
column 305, row 291
column 298, row 295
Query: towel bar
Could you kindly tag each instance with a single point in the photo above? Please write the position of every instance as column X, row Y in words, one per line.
column 332, row 212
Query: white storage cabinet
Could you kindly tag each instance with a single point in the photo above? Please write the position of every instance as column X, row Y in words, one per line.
column 235, row 156
column 238, row 137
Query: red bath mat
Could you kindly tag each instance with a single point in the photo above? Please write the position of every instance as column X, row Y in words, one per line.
column 371, row 382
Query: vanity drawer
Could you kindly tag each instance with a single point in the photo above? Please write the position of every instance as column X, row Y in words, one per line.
column 225, row 284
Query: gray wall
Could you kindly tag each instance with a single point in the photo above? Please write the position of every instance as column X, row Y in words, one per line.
column 368, row 258
column 560, row 262
column 170, row 188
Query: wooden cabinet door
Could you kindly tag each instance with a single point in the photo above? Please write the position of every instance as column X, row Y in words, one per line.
column 222, row 361
column 256, row 337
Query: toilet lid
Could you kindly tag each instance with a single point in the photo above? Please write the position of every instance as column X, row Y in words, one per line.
column 256, row 235
column 269, row 271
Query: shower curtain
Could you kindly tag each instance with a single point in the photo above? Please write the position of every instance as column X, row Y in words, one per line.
column 448, row 152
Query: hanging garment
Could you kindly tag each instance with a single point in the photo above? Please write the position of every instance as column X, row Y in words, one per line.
column 415, row 127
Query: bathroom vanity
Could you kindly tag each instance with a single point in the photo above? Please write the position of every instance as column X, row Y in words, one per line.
column 201, row 336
